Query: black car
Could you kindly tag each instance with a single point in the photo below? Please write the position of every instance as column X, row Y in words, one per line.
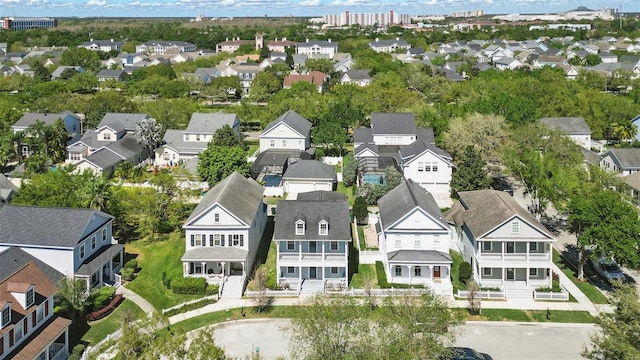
column 464, row 353
column 501, row 184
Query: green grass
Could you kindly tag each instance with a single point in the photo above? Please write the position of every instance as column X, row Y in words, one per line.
column 154, row 258
column 101, row 328
column 361, row 239
column 457, row 260
column 589, row 290
column 556, row 316
column 347, row 191
column 272, row 200
column 366, row 275
column 253, row 146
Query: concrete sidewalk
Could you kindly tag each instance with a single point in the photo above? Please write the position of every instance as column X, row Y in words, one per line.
column 227, row 304
column 137, row 299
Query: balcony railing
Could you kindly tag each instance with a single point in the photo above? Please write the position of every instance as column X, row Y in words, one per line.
column 514, row 256
column 327, row 257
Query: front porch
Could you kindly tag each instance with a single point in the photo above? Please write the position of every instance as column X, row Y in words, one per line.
column 214, row 264
column 102, row 267
column 297, row 277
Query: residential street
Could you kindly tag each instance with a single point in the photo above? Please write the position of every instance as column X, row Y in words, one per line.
column 502, row 340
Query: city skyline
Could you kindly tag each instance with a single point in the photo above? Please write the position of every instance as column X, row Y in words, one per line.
column 313, row 8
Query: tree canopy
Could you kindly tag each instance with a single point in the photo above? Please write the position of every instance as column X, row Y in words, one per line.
column 218, row 162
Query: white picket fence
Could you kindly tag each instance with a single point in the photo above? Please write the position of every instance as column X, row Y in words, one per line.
column 483, row 294
column 563, row 295
column 274, row 293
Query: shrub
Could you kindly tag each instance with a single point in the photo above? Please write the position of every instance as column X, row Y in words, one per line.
column 360, row 211
column 97, row 315
column 78, row 349
column 127, row 273
column 212, row 289
column 131, row 264
column 166, row 281
column 189, row 286
column 73, row 357
column 100, row 297
column 464, row 272
column 382, row 276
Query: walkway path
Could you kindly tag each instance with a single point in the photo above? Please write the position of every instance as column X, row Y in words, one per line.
column 137, row 299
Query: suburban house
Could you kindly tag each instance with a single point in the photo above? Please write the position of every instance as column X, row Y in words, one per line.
column 316, row 78
column 28, row 327
column 507, row 247
column 223, row 233
column 389, row 46
column 112, row 75
column 575, row 127
column 290, row 131
column 102, row 45
column 75, row 242
column 182, row 145
column 414, row 238
column 394, row 140
column 233, row 45
column 359, row 77
column 72, row 124
column 318, row 47
column 114, row 141
column 309, row 175
column 57, row 73
column 7, row 190
column 312, row 238
column 162, row 47
column 622, row 161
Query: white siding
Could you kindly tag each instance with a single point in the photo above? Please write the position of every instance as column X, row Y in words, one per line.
column 282, row 137
column 437, row 182
column 207, row 219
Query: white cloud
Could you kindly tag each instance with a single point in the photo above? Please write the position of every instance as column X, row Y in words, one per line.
column 97, row 3
column 310, row 3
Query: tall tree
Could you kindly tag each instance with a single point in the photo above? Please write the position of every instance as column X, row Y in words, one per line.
column 469, row 172
column 148, row 132
column 605, row 224
column 89, row 60
column 485, row 133
column 72, row 295
column 225, row 136
column 218, row 162
column 619, row 335
column 349, row 170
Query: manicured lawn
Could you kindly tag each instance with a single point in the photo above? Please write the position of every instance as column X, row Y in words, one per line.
column 101, row 328
column 457, row 260
column 347, row 191
column 154, row 258
column 253, row 146
column 361, row 240
column 366, row 274
column 558, row 316
column 589, row 290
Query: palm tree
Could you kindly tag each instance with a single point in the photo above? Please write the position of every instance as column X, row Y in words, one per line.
column 624, row 130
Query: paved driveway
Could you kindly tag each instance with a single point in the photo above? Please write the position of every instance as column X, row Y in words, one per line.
column 501, row 340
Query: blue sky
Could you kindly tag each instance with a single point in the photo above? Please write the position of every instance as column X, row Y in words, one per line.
column 211, row 8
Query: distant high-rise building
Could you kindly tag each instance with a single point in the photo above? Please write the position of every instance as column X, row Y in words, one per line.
column 366, row 19
column 25, row 23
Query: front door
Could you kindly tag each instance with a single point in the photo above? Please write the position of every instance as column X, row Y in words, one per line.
column 312, row 273
column 436, row 272
column 510, row 274
column 312, row 246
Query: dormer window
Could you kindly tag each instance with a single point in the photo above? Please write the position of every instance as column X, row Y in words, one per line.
column 299, row 227
column 30, row 297
column 6, row 315
column 323, row 228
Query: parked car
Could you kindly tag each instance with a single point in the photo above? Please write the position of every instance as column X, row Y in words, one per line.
column 465, row 353
column 608, row 269
column 501, row 184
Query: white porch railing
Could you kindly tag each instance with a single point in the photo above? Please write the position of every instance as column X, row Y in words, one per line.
column 563, row 295
column 484, row 294
column 312, row 257
column 274, row 293
column 379, row 292
column 514, row 256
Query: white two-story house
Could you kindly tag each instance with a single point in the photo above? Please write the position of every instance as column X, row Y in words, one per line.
column 312, row 236
column 414, row 239
column 72, row 125
column 290, row 131
column 394, row 140
column 576, row 128
column 179, row 146
column 75, row 242
column 223, row 233
column 507, row 247
column 28, row 327
column 317, row 47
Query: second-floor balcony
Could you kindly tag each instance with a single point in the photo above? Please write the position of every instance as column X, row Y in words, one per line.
column 486, row 256
column 310, row 257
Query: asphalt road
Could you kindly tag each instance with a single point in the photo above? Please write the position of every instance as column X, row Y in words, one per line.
column 503, row 341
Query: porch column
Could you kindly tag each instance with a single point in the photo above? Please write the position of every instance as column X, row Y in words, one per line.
column 224, row 269
column 277, row 251
column 323, row 250
column 502, row 246
column 243, row 270
column 410, row 274
column 527, row 274
column 204, row 267
column 527, row 249
column 300, row 251
column 299, row 277
column 185, row 269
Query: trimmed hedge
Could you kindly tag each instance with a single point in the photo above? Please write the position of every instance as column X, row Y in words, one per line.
column 189, row 286
column 382, row 276
column 97, row 315
column 131, row 264
column 101, row 297
column 465, row 272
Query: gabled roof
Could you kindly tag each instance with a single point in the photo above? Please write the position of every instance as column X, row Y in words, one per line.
column 128, row 120
column 484, row 210
column 568, row 125
column 310, row 169
column 320, row 43
column 336, row 213
column 29, row 274
column 174, row 139
column 48, row 226
column 393, row 124
column 237, row 194
column 419, row 256
column 109, row 73
column 14, row 259
column 362, row 135
column 403, row 199
column 208, row 123
column 626, row 159
column 293, row 120
column 358, row 74
column 320, row 195
column 420, row 146
column 6, row 188
column 47, row 118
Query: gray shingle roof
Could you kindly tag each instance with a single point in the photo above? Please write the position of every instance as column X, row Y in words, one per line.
column 393, row 123
column 320, row 195
column 128, row 120
column 405, row 198
column 237, row 194
column 215, row 253
column 208, row 123
column 97, row 259
column 359, row 74
column 627, row 159
column 336, row 213
column 175, row 140
column 484, row 210
column 14, row 259
column 293, row 120
column 48, row 226
column 568, row 125
column 321, row 43
column 417, row 256
column 47, row 118
column 363, row 136
column 389, row 42
column 310, row 169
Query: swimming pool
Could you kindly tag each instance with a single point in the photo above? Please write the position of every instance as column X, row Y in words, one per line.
column 272, row 180
column 373, row 178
